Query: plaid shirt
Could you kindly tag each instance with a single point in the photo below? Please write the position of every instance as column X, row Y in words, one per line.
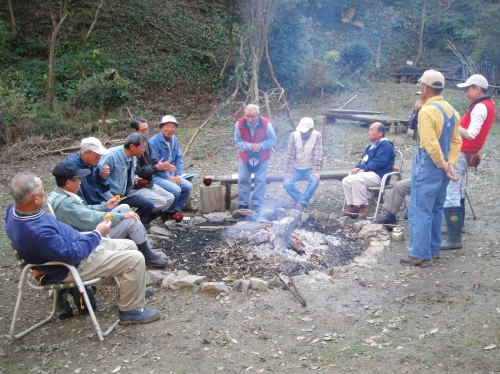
column 317, row 153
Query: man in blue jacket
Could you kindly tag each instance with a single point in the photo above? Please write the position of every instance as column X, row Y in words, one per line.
column 377, row 160
column 40, row 238
column 166, row 146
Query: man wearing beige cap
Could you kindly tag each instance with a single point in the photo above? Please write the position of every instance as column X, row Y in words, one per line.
column 303, row 161
column 474, row 128
column 437, row 152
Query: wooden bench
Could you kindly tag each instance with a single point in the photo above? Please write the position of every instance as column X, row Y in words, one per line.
column 228, row 180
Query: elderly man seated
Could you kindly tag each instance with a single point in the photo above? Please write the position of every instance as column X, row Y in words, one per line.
column 303, row 161
column 40, row 238
column 70, row 208
column 377, row 160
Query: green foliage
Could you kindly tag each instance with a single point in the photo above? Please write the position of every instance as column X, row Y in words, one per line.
column 106, row 90
column 355, row 55
column 14, row 104
column 4, row 39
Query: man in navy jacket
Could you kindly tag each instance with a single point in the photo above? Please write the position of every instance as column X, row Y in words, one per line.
column 377, row 160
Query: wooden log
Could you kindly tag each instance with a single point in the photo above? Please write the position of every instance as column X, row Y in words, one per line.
column 211, row 199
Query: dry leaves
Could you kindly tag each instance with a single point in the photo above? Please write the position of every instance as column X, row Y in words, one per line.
column 491, row 346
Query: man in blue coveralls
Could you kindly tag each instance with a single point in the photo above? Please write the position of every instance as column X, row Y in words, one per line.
column 438, row 149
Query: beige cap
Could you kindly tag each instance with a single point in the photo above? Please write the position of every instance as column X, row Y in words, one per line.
column 432, row 78
column 476, row 80
column 305, row 124
column 94, row 145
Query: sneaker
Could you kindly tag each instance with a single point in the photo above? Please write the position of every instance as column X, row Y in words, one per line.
column 242, row 206
column 436, row 257
column 139, row 316
column 300, row 207
column 155, row 260
column 150, row 290
column 411, row 261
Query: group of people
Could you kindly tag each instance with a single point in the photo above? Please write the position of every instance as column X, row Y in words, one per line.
column 147, row 175
column 95, row 191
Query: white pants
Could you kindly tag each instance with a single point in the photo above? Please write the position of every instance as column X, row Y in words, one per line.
column 354, row 186
column 162, row 199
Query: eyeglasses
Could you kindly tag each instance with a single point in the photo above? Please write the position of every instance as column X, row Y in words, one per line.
column 144, row 130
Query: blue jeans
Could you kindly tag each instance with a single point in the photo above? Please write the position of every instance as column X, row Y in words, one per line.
column 301, row 175
column 425, row 214
column 181, row 193
column 144, row 206
column 245, row 184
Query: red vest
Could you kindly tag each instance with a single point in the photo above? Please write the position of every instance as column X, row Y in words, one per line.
column 258, row 136
column 476, row 144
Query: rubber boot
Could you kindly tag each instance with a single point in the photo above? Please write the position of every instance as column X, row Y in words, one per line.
column 454, row 220
column 150, row 257
column 64, row 310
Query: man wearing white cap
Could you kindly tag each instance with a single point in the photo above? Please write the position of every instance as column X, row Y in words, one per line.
column 165, row 146
column 437, row 152
column 303, row 161
column 474, row 128
column 96, row 184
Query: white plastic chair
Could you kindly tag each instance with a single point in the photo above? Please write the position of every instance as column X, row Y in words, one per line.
column 26, row 269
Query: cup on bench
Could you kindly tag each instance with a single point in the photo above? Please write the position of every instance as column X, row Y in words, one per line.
column 207, row 181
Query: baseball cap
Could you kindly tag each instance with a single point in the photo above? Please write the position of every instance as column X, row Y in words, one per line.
column 305, row 124
column 476, row 80
column 168, row 118
column 432, row 78
column 69, row 170
column 94, row 145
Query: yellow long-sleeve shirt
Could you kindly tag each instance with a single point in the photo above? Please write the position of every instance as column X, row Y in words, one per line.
column 430, row 126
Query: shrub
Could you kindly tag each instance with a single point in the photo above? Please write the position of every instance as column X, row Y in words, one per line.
column 355, row 55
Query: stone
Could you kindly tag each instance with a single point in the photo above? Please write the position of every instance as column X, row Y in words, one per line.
column 321, row 217
column 241, row 285
column 365, row 260
column 333, row 272
column 302, row 280
column 275, row 282
column 268, row 214
column 319, row 275
column 258, row 284
column 197, row 221
column 160, row 231
column 304, row 217
column 169, row 277
column 372, row 230
column 214, row 287
column 294, row 213
column 342, row 220
column 374, row 249
column 333, row 216
column 280, row 213
column 175, row 226
column 159, row 238
column 189, row 281
column 154, row 278
column 358, row 225
column 218, row 216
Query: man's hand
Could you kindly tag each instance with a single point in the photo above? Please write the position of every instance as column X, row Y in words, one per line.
column 255, row 147
column 315, row 174
column 177, row 179
column 112, row 203
column 450, row 171
column 286, row 176
column 131, row 215
column 105, row 172
column 165, row 166
column 356, row 171
column 418, row 105
column 103, row 228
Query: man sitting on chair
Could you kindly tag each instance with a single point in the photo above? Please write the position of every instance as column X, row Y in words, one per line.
column 40, row 238
column 377, row 160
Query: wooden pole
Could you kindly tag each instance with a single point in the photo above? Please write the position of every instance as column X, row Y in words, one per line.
column 322, row 120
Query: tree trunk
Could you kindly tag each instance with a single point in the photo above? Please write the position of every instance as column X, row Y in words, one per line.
column 63, row 13
column 104, row 117
column 230, row 47
column 12, row 18
column 421, row 34
column 95, row 20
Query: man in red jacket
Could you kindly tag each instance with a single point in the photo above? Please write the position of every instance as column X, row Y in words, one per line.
column 474, row 128
column 254, row 137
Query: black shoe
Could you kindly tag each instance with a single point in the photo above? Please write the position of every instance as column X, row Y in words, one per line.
column 80, row 301
column 242, row 206
column 150, row 218
column 389, row 219
column 165, row 216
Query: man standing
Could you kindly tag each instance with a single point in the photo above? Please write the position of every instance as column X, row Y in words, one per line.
column 303, row 161
column 40, row 238
column 437, row 152
column 165, row 146
column 70, row 208
column 377, row 160
column 147, row 166
column 474, row 128
column 254, row 137
column 122, row 162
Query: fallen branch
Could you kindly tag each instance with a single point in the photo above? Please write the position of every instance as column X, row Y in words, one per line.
column 294, row 291
column 186, row 150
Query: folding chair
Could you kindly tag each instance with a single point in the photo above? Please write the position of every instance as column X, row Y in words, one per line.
column 397, row 170
column 26, row 268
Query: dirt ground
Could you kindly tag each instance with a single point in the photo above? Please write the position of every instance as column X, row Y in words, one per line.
column 381, row 319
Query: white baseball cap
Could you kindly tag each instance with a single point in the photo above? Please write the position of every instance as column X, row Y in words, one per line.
column 476, row 80
column 168, row 118
column 305, row 125
column 94, row 145
column 432, row 78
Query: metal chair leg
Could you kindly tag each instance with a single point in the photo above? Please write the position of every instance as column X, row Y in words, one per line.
column 470, row 204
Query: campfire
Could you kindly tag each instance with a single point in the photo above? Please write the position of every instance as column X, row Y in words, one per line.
column 262, row 245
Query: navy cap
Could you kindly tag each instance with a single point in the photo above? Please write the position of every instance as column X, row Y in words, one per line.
column 69, row 170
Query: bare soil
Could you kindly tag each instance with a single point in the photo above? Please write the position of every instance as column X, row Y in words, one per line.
column 381, row 319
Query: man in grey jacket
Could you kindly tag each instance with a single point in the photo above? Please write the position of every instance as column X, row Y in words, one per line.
column 70, row 209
